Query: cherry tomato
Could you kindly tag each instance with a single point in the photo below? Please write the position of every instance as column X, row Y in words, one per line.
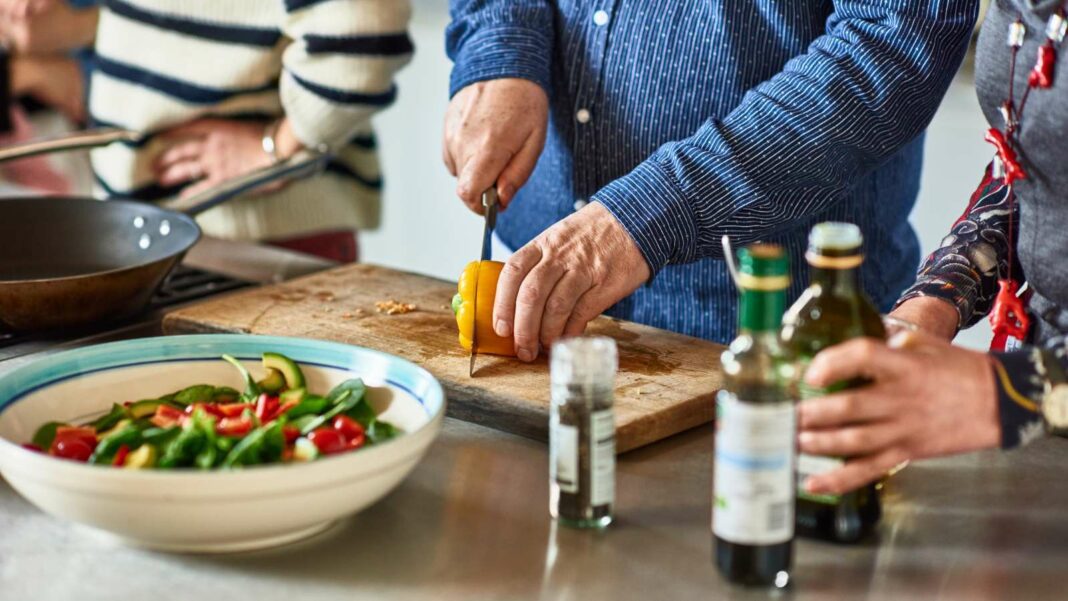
column 233, row 426
column 266, row 406
column 291, row 434
column 73, row 449
column 348, row 427
column 166, row 416
column 328, row 441
column 120, row 456
column 233, row 409
column 84, row 434
column 284, row 409
column 357, row 441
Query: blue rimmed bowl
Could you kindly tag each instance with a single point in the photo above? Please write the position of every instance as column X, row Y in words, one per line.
column 218, row 511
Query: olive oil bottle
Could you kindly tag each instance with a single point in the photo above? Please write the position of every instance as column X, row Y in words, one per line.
column 832, row 310
column 753, row 497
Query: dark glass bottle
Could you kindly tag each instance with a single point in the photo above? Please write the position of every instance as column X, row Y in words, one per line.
column 832, row 310
column 753, row 500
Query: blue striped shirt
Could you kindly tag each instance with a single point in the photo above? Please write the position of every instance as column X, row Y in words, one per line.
column 691, row 119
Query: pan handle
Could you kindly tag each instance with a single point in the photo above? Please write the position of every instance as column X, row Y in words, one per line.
column 304, row 163
column 90, row 138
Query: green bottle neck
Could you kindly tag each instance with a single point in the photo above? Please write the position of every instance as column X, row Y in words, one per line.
column 761, row 311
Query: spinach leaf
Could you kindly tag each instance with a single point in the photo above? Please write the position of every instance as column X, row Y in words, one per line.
column 183, row 450
column 252, row 390
column 309, row 405
column 106, row 448
column 247, row 451
column 355, row 387
column 380, row 431
column 108, row 420
column 198, row 393
column 344, row 403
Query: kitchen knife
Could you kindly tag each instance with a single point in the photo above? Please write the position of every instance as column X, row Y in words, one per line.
column 489, row 206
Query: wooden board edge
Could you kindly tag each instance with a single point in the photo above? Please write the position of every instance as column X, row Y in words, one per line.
column 175, row 323
column 679, row 418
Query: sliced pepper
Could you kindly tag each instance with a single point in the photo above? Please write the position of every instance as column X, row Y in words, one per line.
column 486, row 273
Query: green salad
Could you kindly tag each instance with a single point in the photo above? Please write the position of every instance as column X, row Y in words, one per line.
column 273, row 420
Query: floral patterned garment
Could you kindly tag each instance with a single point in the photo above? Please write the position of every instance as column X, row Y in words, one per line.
column 965, row 271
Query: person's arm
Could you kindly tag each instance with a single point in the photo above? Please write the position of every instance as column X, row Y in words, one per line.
column 499, row 39
column 339, row 69
column 963, row 273
column 1023, row 380
column 797, row 142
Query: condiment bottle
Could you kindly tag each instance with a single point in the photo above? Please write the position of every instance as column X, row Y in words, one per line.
column 582, row 445
column 753, row 496
column 832, row 310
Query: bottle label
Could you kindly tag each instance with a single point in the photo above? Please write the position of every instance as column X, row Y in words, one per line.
column 563, row 460
column 602, row 458
column 754, row 472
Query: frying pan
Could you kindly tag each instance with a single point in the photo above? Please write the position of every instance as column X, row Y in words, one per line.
column 73, row 261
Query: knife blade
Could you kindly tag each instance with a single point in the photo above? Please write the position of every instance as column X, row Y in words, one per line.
column 489, row 206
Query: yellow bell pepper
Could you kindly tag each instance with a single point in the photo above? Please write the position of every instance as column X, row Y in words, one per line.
column 487, row 274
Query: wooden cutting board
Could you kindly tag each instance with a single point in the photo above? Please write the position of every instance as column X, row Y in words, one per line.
column 666, row 382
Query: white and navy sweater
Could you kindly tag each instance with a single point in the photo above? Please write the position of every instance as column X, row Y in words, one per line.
column 327, row 65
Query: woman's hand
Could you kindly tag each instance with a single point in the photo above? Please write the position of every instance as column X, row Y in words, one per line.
column 21, row 9
column 931, row 315
column 46, row 27
column 211, row 151
column 926, row 398
column 55, row 81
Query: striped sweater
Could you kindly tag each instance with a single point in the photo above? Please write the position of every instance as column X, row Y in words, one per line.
column 325, row 64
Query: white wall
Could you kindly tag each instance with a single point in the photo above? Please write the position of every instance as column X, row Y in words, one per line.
column 427, row 230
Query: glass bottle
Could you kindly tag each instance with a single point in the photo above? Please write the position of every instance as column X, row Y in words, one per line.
column 832, row 310
column 753, row 497
column 582, row 444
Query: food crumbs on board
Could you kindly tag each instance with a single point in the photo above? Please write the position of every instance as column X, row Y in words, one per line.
column 346, row 315
column 325, row 295
column 392, row 307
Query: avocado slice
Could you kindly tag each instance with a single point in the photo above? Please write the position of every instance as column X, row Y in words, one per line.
column 144, row 408
column 144, row 457
column 290, row 370
column 274, row 382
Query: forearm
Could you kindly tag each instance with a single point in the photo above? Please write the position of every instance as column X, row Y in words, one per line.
column 498, row 39
column 339, row 69
column 799, row 141
column 974, row 256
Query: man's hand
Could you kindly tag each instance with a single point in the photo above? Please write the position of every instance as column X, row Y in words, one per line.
column 494, row 134
column 211, row 151
column 564, row 278
column 931, row 315
column 927, row 398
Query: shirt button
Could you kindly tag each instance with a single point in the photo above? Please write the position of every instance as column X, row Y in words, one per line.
column 579, row 204
column 600, row 18
column 583, row 116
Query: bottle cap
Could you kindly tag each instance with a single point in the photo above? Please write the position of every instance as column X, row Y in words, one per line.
column 834, row 235
column 584, row 360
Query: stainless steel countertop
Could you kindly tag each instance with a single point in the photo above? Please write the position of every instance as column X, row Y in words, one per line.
column 472, row 523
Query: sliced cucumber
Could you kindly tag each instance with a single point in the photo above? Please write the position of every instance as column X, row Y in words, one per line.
column 273, row 383
column 290, row 370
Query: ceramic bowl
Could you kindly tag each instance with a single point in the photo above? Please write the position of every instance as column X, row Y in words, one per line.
column 218, row 511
